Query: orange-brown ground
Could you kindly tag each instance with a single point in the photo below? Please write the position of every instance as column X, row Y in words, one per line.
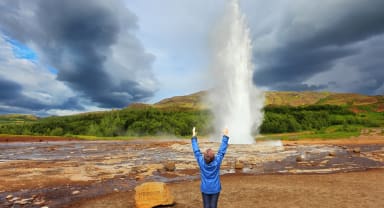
column 361, row 140
column 11, row 138
column 349, row 190
column 353, row 189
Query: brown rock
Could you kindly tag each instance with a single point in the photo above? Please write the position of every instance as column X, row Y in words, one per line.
column 239, row 165
column 39, row 202
column 332, row 154
column 22, row 202
column 10, row 196
column 75, row 192
column 356, row 150
column 300, row 158
column 170, row 166
column 153, row 194
column 15, row 199
column 138, row 169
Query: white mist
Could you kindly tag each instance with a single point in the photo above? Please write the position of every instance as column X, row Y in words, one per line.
column 235, row 100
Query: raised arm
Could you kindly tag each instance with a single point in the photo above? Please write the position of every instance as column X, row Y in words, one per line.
column 195, row 147
column 223, row 146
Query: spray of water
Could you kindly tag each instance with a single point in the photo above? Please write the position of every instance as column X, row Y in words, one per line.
column 235, row 100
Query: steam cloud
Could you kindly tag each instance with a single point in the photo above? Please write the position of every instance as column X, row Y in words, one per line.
column 236, row 102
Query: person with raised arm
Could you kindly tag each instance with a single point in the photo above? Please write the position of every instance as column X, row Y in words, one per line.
column 209, row 165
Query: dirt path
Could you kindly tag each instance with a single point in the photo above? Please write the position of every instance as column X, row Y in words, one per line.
column 355, row 189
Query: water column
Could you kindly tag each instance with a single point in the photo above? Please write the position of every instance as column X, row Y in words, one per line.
column 235, row 100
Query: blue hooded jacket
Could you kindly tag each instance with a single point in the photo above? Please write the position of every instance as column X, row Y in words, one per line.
column 210, row 173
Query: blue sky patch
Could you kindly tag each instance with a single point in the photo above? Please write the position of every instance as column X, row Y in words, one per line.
column 21, row 51
column 53, row 70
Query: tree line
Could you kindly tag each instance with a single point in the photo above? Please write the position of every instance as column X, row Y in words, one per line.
column 126, row 122
column 152, row 121
column 282, row 119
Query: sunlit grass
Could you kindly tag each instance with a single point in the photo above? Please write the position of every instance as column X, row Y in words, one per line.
column 156, row 137
column 333, row 132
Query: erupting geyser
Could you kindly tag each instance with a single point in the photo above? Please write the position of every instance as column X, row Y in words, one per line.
column 236, row 102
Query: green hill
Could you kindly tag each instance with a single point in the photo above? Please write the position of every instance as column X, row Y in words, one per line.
column 295, row 98
column 188, row 102
column 17, row 118
column 355, row 102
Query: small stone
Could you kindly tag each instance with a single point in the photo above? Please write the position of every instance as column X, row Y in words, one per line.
column 22, row 201
column 29, row 199
column 45, row 207
column 75, row 192
column 239, row 165
column 15, row 199
column 151, row 194
column 300, row 158
column 9, row 196
column 134, row 170
column 343, row 147
column 356, row 150
column 142, row 169
column 39, row 202
column 116, row 189
column 170, row 166
column 332, row 154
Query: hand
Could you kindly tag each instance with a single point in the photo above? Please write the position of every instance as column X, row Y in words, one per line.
column 194, row 132
column 225, row 131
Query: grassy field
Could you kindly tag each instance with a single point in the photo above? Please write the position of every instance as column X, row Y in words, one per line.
column 333, row 132
column 314, row 135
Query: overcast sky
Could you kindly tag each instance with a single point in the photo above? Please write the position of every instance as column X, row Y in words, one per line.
column 63, row 57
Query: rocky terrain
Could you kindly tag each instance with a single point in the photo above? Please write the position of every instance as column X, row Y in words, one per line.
column 79, row 173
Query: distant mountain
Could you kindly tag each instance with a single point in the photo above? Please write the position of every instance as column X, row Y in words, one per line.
column 279, row 98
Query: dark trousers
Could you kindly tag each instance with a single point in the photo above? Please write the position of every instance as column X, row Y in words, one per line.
column 210, row 200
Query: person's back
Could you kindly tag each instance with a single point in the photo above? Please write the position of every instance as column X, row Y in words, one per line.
column 210, row 170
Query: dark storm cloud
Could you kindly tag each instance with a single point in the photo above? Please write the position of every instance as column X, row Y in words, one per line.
column 295, row 65
column 287, row 86
column 11, row 97
column 370, row 64
column 313, row 42
column 112, row 95
column 9, row 89
column 72, row 103
column 77, row 38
